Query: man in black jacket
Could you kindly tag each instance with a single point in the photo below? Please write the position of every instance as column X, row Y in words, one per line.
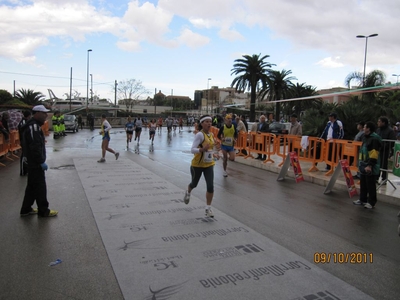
column 386, row 133
column 35, row 152
column 23, row 166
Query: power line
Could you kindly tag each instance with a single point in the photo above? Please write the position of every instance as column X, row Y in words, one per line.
column 59, row 77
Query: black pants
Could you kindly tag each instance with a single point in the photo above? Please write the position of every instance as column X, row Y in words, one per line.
column 208, row 176
column 36, row 190
column 368, row 189
column 384, row 157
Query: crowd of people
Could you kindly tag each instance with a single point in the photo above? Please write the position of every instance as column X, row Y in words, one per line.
column 377, row 147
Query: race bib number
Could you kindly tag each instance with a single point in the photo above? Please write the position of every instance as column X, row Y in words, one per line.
column 228, row 140
column 208, row 157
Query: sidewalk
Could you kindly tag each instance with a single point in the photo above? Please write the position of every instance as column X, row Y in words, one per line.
column 386, row 193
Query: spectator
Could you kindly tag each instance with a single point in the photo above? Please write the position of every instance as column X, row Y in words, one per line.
column 243, row 118
column 386, row 133
column 358, row 138
column 333, row 130
column 80, row 121
column 23, row 169
column 369, row 166
column 5, row 119
column 360, row 134
column 35, row 151
column 240, row 125
column 3, row 129
column 295, row 126
column 262, row 126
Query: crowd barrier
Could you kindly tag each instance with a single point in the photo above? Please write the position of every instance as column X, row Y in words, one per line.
column 4, row 148
column 45, row 128
column 309, row 149
column 15, row 144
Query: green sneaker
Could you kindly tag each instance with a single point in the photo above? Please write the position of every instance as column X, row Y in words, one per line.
column 34, row 211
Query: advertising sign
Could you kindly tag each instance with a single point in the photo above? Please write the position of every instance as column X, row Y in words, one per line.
column 349, row 178
column 298, row 174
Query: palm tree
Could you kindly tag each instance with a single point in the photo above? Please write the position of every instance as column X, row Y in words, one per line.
column 372, row 79
column 278, row 88
column 252, row 73
column 300, row 91
column 29, row 97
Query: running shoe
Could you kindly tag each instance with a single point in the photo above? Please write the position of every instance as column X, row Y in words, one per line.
column 225, row 174
column 186, row 199
column 34, row 211
column 101, row 160
column 209, row 213
column 52, row 213
column 116, row 155
column 368, row 206
column 358, row 202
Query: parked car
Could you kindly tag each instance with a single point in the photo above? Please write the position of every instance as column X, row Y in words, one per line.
column 71, row 123
column 278, row 128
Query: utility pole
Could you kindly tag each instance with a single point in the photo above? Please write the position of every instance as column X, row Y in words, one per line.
column 115, row 97
column 70, row 90
column 155, row 92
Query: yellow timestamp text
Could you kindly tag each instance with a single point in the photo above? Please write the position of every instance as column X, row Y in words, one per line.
column 343, row 258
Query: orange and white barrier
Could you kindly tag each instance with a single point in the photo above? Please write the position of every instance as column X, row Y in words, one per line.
column 262, row 144
column 4, row 148
column 14, row 144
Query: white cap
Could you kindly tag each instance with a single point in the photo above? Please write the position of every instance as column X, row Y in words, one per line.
column 40, row 108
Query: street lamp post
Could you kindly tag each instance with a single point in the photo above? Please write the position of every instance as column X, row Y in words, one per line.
column 208, row 92
column 172, row 105
column 397, row 76
column 91, row 88
column 87, row 79
column 365, row 55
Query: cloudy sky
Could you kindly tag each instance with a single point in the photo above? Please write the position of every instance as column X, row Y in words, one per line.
column 176, row 45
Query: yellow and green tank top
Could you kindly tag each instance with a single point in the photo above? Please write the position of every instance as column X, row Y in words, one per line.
column 205, row 159
column 229, row 135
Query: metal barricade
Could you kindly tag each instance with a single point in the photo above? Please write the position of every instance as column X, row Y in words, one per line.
column 241, row 143
column 285, row 144
column 385, row 153
column 14, row 142
column 4, row 149
column 262, row 144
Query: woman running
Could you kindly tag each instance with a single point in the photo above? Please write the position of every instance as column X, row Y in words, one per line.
column 152, row 130
column 138, row 129
column 203, row 162
column 129, row 131
column 105, row 132
column 159, row 124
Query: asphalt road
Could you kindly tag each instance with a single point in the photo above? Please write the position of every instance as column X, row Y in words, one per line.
column 298, row 217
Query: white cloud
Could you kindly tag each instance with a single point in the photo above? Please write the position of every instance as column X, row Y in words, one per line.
column 191, row 39
column 28, row 27
column 230, row 34
column 330, row 62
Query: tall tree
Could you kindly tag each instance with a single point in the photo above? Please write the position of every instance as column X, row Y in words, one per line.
column 29, row 97
column 5, row 96
column 278, row 88
column 251, row 74
column 372, row 79
column 130, row 91
column 301, row 91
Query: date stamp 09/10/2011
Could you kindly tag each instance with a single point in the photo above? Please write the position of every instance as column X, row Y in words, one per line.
column 343, row 258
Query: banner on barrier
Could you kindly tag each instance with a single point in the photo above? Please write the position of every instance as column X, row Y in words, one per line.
column 298, row 174
column 396, row 158
column 351, row 187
